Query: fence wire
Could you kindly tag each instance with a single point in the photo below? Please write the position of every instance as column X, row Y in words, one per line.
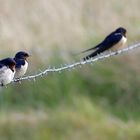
column 76, row 64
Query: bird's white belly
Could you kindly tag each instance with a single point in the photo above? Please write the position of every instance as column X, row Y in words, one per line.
column 120, row 45
column 6, row 75
column 21, row 71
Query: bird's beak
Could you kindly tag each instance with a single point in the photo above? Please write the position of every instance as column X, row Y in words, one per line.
column 28, row 55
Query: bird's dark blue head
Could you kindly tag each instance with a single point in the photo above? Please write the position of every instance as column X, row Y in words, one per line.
column 21, row 55
column 9, row 62
column 121, row 30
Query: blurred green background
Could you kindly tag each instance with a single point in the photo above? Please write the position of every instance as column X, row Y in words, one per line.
column 94, row 102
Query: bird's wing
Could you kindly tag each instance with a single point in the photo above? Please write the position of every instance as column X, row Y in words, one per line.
column 93, row 48
column 108, row 42
column 107, row 39
column 100, row 44
column 1, row 65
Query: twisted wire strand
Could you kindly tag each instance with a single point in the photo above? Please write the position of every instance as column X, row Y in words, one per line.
column 76, row 64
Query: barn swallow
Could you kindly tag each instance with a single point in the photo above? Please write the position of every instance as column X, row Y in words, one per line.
column 21, row 63
column 114, row 41
column 7, row 71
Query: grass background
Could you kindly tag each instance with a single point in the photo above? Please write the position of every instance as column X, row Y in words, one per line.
column 95, row 102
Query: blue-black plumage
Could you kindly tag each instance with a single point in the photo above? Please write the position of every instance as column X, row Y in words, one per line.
column 7, row 71
column 114, row 41
column 21, row 63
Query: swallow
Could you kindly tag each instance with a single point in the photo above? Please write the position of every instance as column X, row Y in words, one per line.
column 113, row 42
column 7, row 71
column 21, row 63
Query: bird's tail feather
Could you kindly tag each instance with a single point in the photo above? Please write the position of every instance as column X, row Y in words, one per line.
column 93, row 48
column 90, row 56
column 85, row 51
column 88, row 50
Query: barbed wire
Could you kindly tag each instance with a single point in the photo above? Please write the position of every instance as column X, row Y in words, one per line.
column 76, row 64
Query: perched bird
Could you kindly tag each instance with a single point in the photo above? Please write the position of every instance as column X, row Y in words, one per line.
column 114, row 41
column 7, row 71
column 21, row 63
